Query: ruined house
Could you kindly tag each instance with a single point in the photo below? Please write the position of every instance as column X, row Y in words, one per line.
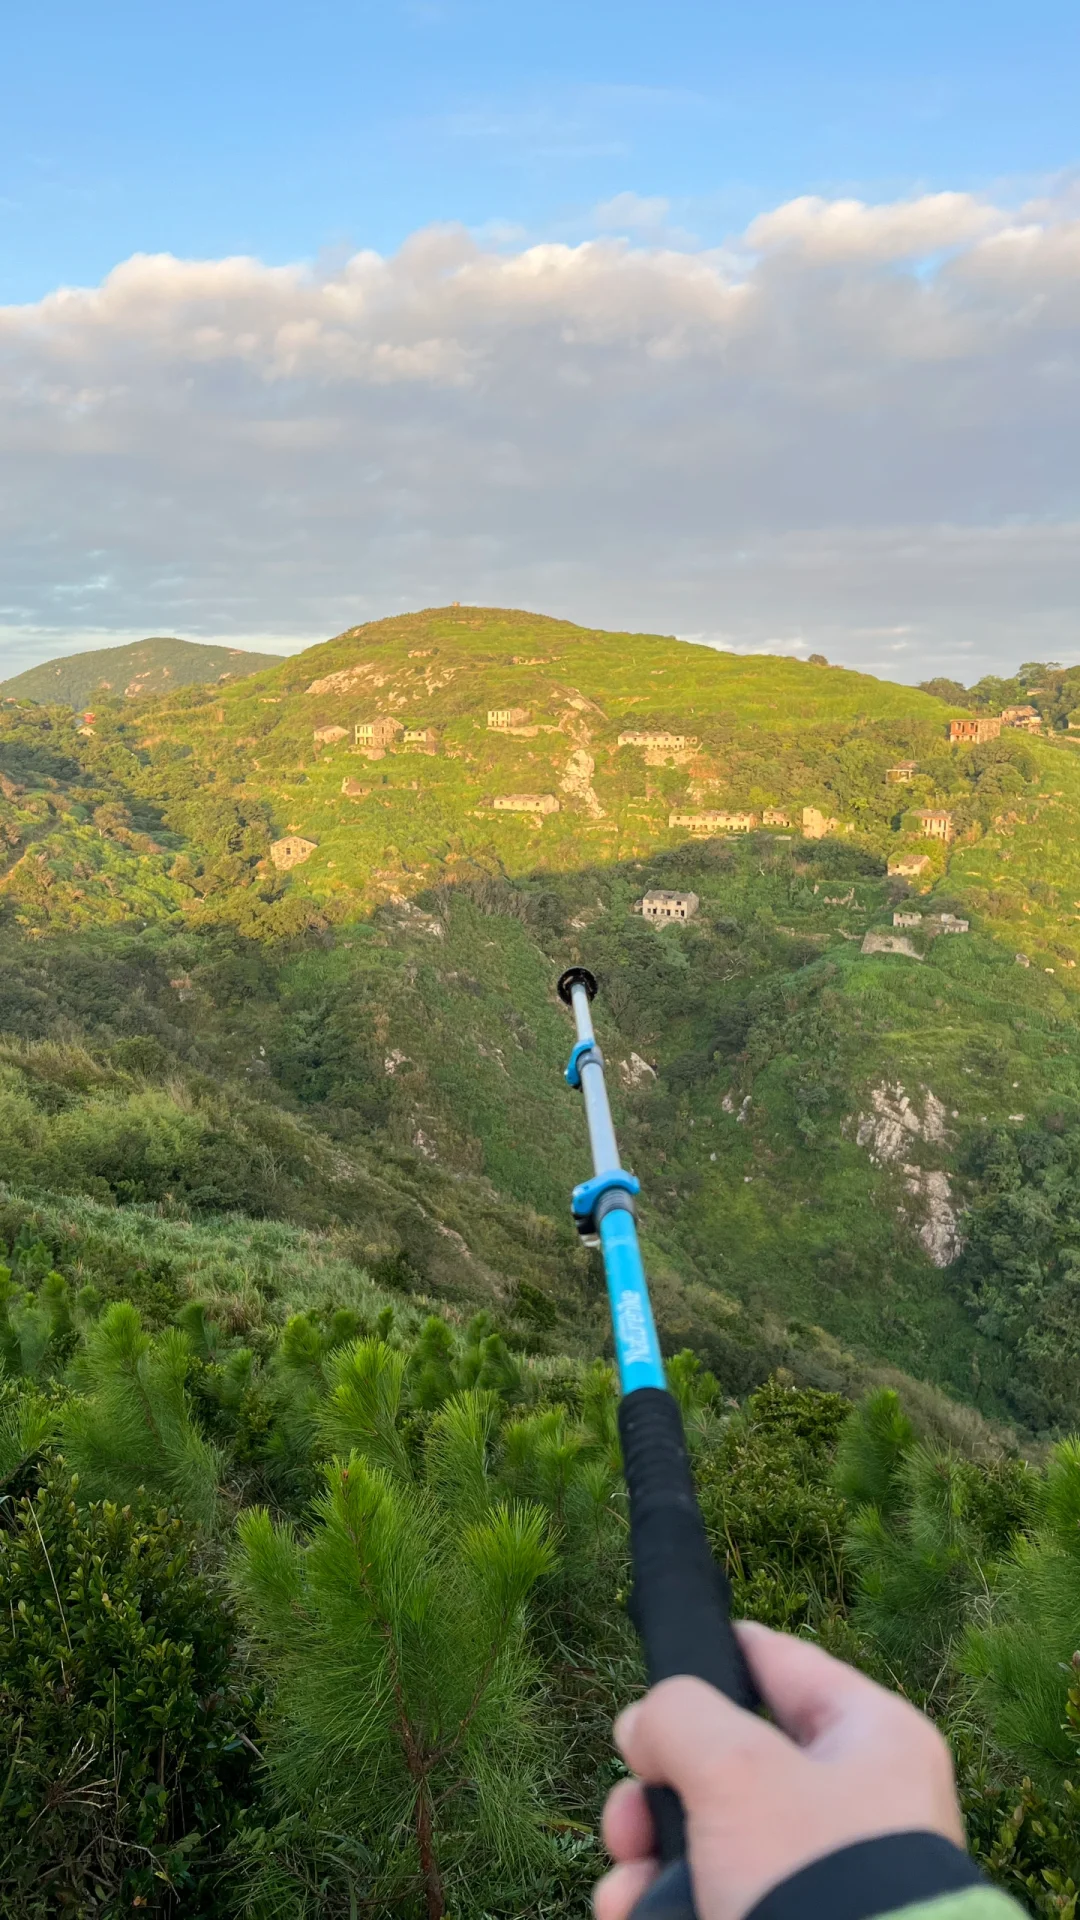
column 419, row 740
column 1026, row 719
column 946, row 923
column 908, row 865
column 325, row 736
column 292, row 851
column 713, row 820
column 775, row 817
column 661, row 904
column 906, row 918
column 376, row 733
column 525, row 803
column 902, row 773
column 936, row 823
column 500, row 718
column 659, row 741
column 816, row 825
column 976, row 731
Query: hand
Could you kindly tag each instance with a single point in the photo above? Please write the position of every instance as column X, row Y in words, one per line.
column 846, row 1761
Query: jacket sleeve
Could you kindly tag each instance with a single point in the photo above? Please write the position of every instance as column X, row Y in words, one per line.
column 921, row 1874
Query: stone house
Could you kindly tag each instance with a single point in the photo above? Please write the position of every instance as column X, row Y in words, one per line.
column 325, row 736
column 500, row 718
column 292, row 851
column 660, row 904
column 816, row 825
column 902, row 773
column 906, row 918
column 935, row 822
column 659, row 741
column 419, row 740
column 975, row 732
column 713, row 820
column 909, row 864
column 376, row 733
column 1027, row 719
column 775, row 817
column 525, row 803
column 946, row 923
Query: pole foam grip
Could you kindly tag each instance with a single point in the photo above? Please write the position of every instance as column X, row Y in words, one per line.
column 681, row 1606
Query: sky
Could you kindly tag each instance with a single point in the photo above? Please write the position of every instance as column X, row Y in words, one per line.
column 753, row 324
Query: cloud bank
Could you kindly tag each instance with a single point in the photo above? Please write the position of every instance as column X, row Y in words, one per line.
column 854, row 430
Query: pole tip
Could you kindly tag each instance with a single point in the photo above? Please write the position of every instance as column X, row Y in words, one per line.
column 576, row 977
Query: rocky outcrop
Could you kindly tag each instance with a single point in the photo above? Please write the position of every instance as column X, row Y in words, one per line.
column 889, row 1131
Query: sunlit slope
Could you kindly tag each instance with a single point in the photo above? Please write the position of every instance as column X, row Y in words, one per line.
column 759, row 732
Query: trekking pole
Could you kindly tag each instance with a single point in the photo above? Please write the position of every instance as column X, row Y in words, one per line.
column 681, row 1598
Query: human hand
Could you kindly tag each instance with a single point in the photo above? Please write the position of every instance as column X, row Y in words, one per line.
column 846, row 1761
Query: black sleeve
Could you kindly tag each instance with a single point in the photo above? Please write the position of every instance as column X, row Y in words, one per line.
column 871, row 1877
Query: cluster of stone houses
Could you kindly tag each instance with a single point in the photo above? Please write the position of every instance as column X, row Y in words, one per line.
column 980, row 728
column 932, row 923
column 374, row 736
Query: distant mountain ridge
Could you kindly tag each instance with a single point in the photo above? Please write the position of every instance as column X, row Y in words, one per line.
column 156, row 665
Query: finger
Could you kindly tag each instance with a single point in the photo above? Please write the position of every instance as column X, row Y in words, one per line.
column 807, row 1690
column 682, row 1730
column 627, row 1824
column 617, row 1894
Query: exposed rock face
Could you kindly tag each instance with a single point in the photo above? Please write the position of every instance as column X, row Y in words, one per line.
column 636, row 1072
column 577, row 781
column 889, row 1132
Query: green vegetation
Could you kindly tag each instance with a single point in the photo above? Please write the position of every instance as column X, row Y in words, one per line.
column 301, row 1362
column 144, row 667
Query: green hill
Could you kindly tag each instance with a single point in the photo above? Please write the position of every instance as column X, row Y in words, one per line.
column 285, row 1155
column 811, row 1121
column 153, row 666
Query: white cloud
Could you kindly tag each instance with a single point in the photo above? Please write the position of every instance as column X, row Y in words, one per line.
column 858, row 428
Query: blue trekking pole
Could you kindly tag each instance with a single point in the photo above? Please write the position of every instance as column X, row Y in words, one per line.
column 681, row 1598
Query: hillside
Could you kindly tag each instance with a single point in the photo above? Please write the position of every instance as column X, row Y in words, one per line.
column 285, row 1155
column 811, row 1121
column 153, row 666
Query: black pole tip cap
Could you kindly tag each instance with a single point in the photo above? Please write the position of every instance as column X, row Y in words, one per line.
column 576, row 977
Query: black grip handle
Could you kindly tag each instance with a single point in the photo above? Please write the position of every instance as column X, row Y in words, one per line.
column 681, row 1605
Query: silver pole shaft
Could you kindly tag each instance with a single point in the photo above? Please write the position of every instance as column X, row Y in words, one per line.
column 605, row 1152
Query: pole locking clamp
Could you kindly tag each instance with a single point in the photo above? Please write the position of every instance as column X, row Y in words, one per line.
column 602, row 1194
column 585, row 1054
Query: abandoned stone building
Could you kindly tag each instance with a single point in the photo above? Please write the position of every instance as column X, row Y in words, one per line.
column 292, row 851
column 419, row 740
column 525, row 803
column 816, row 825
column 325, row 736
column 946, row 923
column 1027, row 719
column 902, row 773
column 976, row 731
column 713, row 820
column 659, row 741
column 775, row 817
column 500, row 718
column 908, row 865
column 904, row 918
column 661, row 904
column 935, row 822
column 376, row 733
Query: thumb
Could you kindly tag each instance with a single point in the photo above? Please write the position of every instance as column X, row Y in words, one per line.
column 683, row 1730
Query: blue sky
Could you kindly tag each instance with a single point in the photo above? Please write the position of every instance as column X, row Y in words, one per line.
column 757, row 323
column 287, row 130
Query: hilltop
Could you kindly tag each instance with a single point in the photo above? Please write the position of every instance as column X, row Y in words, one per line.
column 153, row 666
column 245, row 908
